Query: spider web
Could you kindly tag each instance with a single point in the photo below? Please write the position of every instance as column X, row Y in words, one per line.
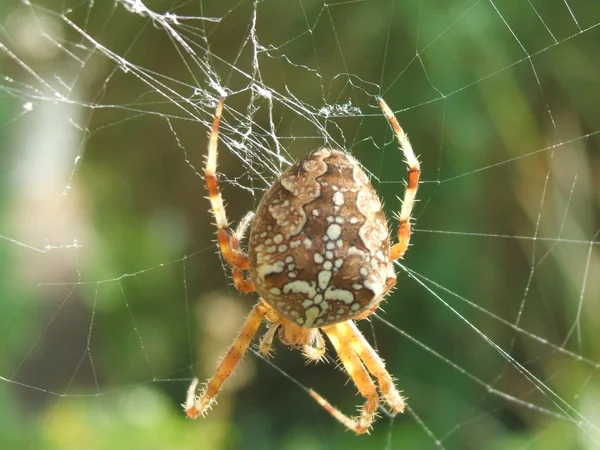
column 112, row 293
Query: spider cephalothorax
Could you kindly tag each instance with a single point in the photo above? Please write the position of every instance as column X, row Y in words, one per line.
column 319, row 256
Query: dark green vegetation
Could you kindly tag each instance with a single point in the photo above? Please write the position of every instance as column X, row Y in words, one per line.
column 102, row 331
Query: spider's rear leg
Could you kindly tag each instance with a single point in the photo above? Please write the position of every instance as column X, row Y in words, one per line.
column 374, row 364
column 361, row 378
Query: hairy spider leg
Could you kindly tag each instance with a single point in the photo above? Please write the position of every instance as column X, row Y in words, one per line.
column 225, row 237
column 315, row 350
column 310, row 339
column 374, row 364
column 265, row 345
column 242, row 284
column 199, row 405
column 359, row 375
column 412, row 185
column 357, row 356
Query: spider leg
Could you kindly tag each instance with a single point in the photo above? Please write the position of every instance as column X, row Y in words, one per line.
column 361, row 378
column 310, row 339
column 374, row 364
column 242, row 284
column 266, row 342
column 199, row 405
column 315, row 350
column 410, row 193
column 229, row 249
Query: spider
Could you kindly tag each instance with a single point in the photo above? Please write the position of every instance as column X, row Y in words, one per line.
column 319, row 256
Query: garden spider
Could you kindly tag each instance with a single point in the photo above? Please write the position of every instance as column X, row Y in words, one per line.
column 319, row 256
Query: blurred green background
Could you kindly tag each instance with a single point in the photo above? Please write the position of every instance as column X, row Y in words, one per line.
column 113, row 295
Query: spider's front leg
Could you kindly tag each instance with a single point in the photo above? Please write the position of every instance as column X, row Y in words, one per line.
column 374, row 364
column 199, row 405
column 360, row 362
column 361, row 378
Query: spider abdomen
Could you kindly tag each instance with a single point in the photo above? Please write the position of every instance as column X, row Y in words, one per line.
column 319, row 246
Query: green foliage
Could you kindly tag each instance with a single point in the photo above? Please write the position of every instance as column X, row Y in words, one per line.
column 101, row 339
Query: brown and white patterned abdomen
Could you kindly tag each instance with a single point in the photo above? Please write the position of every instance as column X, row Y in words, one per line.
column 319, row 245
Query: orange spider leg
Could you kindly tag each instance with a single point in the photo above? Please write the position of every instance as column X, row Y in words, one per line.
column 311, row 340
column 359, row 375
column 410, row 193
column 199, row 405
column 374, row 364
column 266, row 342
column 242, row 284
column 228, row 248
column 349, row 423
column 315, row 349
